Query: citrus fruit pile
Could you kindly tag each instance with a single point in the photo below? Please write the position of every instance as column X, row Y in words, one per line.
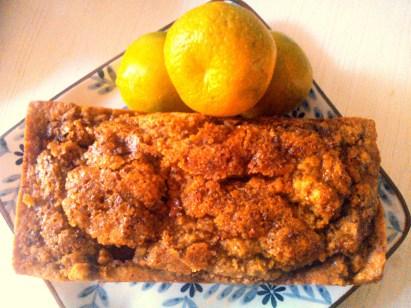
column 218, row 59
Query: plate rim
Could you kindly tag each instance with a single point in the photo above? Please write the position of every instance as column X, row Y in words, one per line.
column 407, row 222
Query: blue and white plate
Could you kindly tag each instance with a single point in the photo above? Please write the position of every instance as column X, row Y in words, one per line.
column 98, row 88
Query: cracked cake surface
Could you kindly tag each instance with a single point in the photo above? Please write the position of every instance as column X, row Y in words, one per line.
column 115, row 195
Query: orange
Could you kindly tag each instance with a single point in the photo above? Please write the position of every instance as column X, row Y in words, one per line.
column 142, row 78
column 220, row 58
column 291, row 82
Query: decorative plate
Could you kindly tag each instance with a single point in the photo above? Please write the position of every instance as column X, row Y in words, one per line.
column 98, row 88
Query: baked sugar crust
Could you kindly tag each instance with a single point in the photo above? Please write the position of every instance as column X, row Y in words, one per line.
column 115, row 195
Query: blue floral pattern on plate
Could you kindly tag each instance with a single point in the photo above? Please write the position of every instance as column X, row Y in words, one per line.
column 99, row 87
column 264, row 294
column 95, row 294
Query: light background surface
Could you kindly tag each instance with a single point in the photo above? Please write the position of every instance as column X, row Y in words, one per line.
column 360, row 52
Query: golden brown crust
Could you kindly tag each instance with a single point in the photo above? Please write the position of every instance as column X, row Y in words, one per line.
column 117, row 196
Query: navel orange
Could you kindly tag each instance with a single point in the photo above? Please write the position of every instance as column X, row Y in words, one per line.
column 142, row 78
column 220, row 58
column 292, row 79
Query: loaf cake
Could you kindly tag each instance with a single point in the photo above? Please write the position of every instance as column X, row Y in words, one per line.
column 114, row 195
